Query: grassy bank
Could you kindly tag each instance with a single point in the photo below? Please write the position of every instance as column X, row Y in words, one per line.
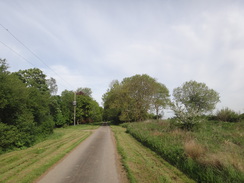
column 28, row 164
column 142, row 164
column 212, row 153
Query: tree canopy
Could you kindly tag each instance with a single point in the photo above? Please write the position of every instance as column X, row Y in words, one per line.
column 30, row 108
column 132, row 99
column 34, row 78
column 195, row 96
column 193, row 99
column 24, row 107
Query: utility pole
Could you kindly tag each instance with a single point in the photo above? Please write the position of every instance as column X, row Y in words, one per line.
column 74, row 104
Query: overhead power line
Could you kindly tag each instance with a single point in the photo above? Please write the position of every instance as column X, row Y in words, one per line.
column 32, row 54
column 17, row 53
column 22, row 56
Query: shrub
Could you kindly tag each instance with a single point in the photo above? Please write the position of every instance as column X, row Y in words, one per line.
column 227, row 115
column 8, row 136
column 47, row 126
column 241, row 116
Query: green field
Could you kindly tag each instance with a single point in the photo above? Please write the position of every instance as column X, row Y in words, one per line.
column 142, row 164
column 212, row 153
column 28, row 164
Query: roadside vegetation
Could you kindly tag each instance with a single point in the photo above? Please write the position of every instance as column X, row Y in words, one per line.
column 142, row 164
column 29, row 164
column 208, row 148
column 212, row 152
column 30, row 108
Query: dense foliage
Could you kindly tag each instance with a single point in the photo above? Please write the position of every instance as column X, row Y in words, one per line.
column 30, row 110
column 132, row 99
column 24, row 110
column 213, row 153
column 88, row 109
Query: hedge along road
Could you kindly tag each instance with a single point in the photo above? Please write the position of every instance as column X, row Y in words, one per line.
column 93, row 161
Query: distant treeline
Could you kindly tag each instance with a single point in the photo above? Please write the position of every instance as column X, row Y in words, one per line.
column 30, row 110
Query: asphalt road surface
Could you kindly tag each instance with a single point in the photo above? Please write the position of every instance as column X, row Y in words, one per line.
column 93, row 161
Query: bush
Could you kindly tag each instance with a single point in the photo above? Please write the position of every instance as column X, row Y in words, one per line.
column 241, row 116
column 227, row 115
column 8, row 136
column 46, row 128
column 18, row 136
column 186, row 123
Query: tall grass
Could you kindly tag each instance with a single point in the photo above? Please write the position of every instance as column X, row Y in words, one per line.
column 142, row 164
column 212, row 153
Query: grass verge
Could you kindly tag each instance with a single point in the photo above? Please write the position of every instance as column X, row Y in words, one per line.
column 28, row 164
column 212, row 153
column 142, row 164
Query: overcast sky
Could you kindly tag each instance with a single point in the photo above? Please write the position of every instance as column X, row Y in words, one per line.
column 89, row 43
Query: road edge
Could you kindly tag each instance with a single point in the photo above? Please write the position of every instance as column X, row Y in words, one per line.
column 123, row 176
column 61, row 159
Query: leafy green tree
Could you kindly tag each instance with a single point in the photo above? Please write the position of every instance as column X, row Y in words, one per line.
column 39, row 105
column 67, row 108
column 56, row 112
column 114, row 103
column 97, row 112
column 196, row 96
column 38, row 98
column 8, row 136
column 140, row 89
column 83, row 109
column 17, row 124
column 131, row 99
column 4, row 74
column 191, row 100
column 34, row 78
column 14, row 97
column 16, row 118
column 87, row 109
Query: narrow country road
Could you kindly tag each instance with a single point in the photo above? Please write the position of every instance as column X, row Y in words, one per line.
column 93, row 161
